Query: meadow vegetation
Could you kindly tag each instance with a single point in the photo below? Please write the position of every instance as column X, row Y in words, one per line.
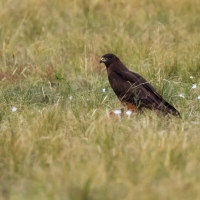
column 61, row 142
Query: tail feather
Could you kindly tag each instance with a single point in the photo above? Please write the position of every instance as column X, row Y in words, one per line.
column 168, row 108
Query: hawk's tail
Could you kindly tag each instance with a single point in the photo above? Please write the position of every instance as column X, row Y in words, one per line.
column 168, row 108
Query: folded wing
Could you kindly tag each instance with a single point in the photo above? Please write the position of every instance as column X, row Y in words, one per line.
column 133, row 88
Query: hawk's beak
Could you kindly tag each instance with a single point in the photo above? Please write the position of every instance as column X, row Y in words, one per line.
column 102, row 60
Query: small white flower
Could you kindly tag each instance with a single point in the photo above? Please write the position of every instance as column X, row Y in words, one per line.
column 104, row 90
column 70, row 97
column 191, row 77
column 194, row 86
column 128, row 112
column 194, row 122
column 14, row 109
column 117, row 112
column 182, row 95
column 198, row 97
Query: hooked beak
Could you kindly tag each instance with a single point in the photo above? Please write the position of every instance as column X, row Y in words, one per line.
column 102, row 60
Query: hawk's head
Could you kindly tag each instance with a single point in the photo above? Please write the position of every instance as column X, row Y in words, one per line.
column 108, row 59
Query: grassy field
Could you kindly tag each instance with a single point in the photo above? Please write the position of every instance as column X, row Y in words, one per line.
column 61, row 142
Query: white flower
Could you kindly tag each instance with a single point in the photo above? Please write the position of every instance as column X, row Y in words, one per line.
column 128, row 112
column 104, row 90
column 117, row 112
column 14, row 109
column 182, row 95
column 198, row 97
column 194, row 122
column 194, row 86
column 191, row 77
column 70, row 97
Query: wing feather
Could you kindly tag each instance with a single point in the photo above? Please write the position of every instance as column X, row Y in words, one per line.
column 139, row 88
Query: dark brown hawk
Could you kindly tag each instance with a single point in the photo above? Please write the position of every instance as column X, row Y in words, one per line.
column 132, row 89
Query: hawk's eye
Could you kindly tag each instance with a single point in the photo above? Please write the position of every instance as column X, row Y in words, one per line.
column 108, row 58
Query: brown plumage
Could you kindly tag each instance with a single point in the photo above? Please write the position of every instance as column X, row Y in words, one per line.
column 132, row 89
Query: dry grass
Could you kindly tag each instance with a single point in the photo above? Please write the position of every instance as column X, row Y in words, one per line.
column 61, row 143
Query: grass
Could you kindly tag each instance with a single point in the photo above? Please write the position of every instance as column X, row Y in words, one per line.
column 61, row 143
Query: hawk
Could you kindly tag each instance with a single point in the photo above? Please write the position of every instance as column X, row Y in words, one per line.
column 132, row 89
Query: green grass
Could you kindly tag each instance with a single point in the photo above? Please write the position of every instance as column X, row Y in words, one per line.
column 54, row 147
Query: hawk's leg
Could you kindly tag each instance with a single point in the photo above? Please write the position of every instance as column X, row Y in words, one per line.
column 131, row 107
